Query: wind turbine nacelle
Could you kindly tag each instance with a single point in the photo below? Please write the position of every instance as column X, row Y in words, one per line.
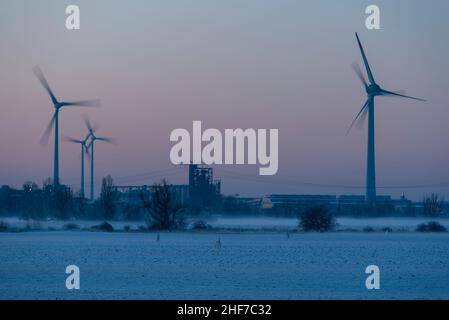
column 374, row 90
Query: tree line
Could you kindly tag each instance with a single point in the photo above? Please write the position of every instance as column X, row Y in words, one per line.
column 160, row 207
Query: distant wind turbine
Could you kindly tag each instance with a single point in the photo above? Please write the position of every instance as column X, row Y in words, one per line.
column 54, row 120
column 372, row 90
column 94, row 138
column 84, row 148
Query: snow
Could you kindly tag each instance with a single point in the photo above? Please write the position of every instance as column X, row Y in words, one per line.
column 255, row 265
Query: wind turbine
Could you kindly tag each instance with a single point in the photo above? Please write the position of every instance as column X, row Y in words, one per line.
column 372, row 90
column 84, row 148
column 94, row 138
column 54, row 120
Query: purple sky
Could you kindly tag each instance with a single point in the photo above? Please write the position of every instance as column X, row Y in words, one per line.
column 158, row 65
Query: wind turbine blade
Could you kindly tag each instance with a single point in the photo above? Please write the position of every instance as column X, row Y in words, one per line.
column 362, row 118
column 40, row 75
column 86, row 149
column 357, row 116
column 390, row 93
column 88, row 124
column 107, row 139
column 95, row 127
column 365, row 61
column 69, row 139
column 82, row 103
column 47, row 132
column 359, row 73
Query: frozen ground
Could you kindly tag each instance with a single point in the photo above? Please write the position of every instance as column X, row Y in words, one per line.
column 248, row 266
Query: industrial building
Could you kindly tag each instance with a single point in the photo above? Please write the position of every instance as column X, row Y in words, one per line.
column 202, row 190
column 343, row 204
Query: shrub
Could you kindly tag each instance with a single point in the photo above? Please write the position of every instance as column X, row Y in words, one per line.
column 316, row 218
column 33, row 225
column 142, row 228
column 368, row 229
column 71, row 226
column 431, row 226
column 107, row 227
column 422, row 227
column 199, row 225
column 4, row 226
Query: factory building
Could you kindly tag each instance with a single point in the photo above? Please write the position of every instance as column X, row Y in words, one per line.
column 202, row 189
column 289, row 203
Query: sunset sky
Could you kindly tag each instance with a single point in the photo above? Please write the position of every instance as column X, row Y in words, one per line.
column 159, row 65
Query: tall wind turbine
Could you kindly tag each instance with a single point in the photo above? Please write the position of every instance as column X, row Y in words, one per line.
column 54, row 120
column 94, row 138
column 84, row 148
column 372, row 90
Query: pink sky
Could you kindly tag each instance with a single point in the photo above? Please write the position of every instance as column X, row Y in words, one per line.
column 257, row 64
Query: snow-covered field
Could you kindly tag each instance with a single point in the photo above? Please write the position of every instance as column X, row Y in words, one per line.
column 186, row 265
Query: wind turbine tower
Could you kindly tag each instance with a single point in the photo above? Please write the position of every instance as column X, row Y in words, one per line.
column 84, row 148
column 94, row 138
column 372, row 90
column 54, row 122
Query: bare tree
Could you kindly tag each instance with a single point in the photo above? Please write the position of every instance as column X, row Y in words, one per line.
column 80, row 206
column 57, row 202
column 433, row 205
column 63, row 200
column 164, row 211
column 32, row 205
column 108, row 197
